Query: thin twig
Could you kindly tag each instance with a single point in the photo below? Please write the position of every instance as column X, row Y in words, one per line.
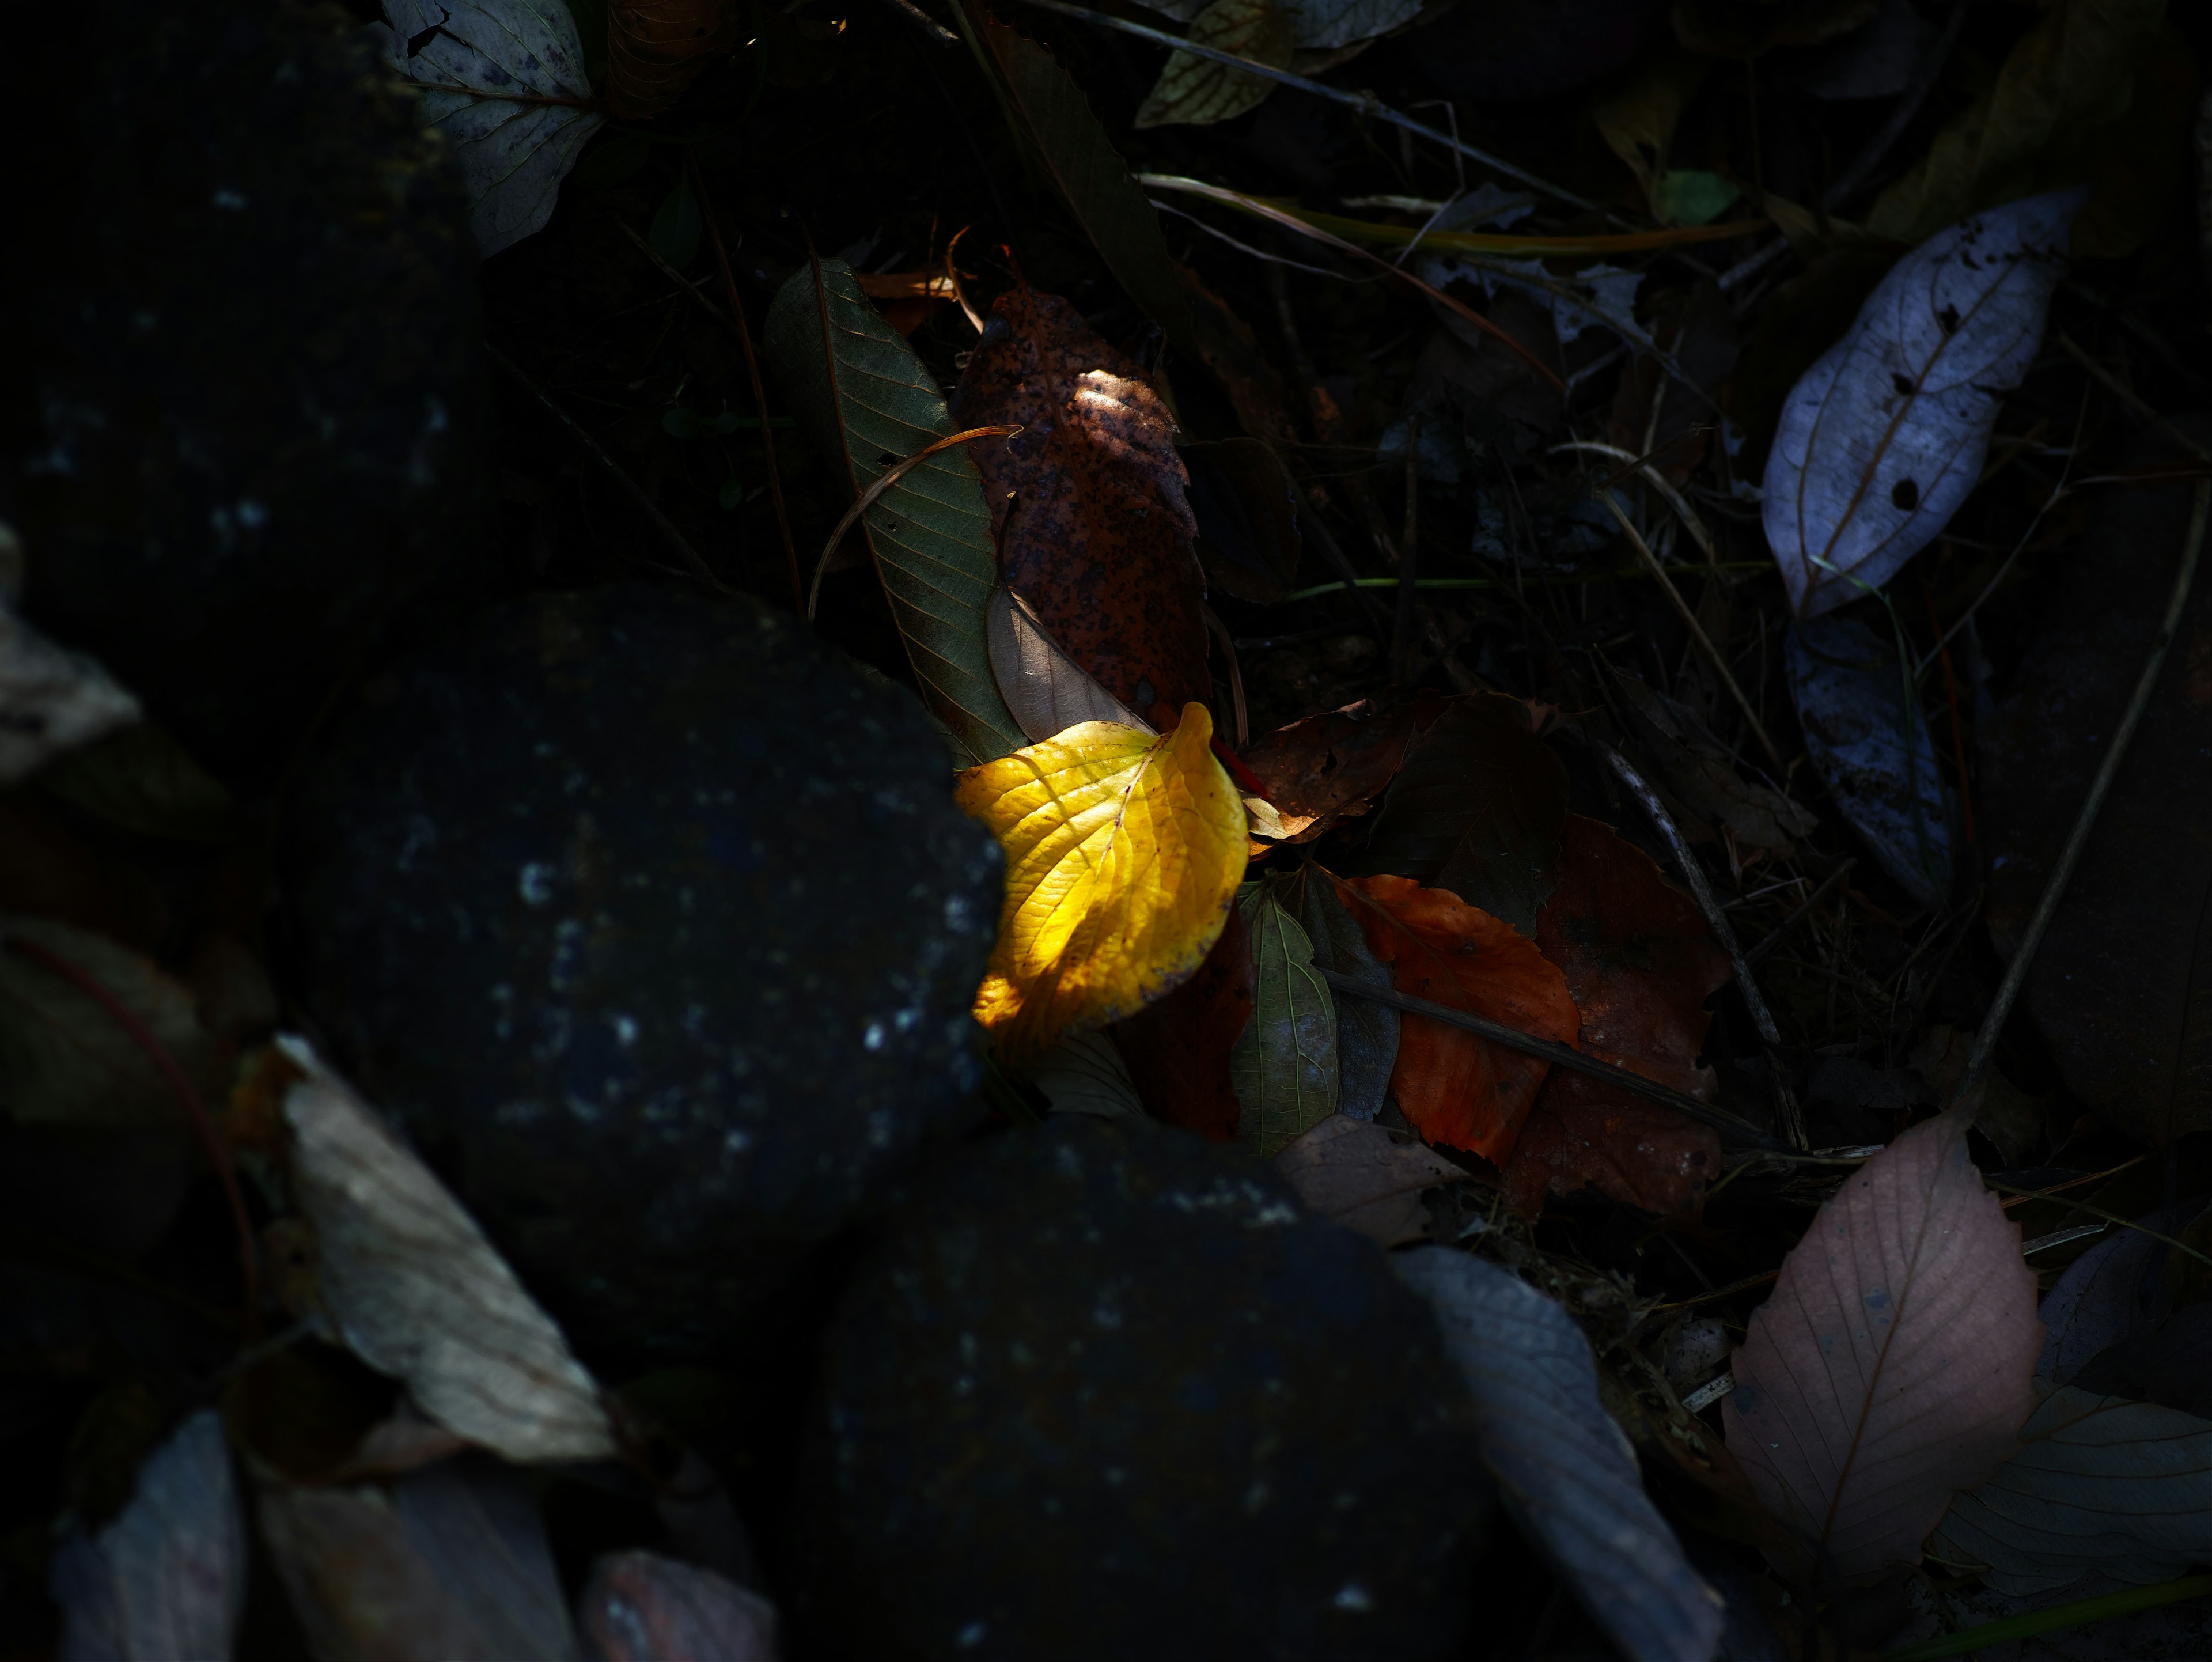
column 2115, row 750
column 677, row 539
column 1788, row 1114
column 922, row 19
column 1562, row 1055
column 1658, row 482
column 890, row 477
column 752, row 371
column 1775, row 936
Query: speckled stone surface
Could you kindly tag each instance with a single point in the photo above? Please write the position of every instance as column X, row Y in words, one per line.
column 1108, row 1390
column 253, row 428
column 656, row 929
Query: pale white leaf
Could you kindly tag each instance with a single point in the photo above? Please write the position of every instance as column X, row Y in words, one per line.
column 481, row 70
column 1047, row 691
column 1084, row 1074
column 52, row 700
column 419, row 1294
column 1567, row 1473
column 1883, row 438
column 2101, row 1486
column 1361, row 1176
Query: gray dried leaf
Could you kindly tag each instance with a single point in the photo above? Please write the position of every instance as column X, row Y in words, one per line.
column 52, row 700
column 1362, row 1176
column 1883, row 438
column 419, row 1294
column 1283, row 1066
column 640, row 1607
column 1567, row 1473
column 167, row 1579
column 1046, row 690
column 2108, row 1295
column 1084, row 1074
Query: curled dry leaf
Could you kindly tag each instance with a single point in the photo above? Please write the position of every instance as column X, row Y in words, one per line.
column 417, row 1291
column 1084, row 1074
column 1124, row 850
column 1884, row 436
column 1047, row 691
column 1452, row 1087
column 1284, row 1067
column 1892, row 1365
column 1567, row 1473
column 1200, row 91
column 1177, row 1050
column 1325, row 769
column 1365, row 1178
column 50, row 700
column 1088, row 501
column 168, row 1577
column 656, row 49
column 642, row 1607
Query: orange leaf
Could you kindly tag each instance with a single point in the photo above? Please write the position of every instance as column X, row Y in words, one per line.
column 656, row 49
column 1453, row 1087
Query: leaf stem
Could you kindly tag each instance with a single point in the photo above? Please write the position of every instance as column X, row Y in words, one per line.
column 2071, row 1615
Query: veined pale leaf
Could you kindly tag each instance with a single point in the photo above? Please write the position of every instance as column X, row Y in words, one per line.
column 1361, row 1176
column 1046, row 690
column 1201, row 91
column 1883, row 438
column 1124, row 850
column 2101, row 1486
column 864, row 401
column 1892, row 1365
column 1283, row 1066
column 1366, row 1032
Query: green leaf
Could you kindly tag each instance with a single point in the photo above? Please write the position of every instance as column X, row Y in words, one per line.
column 1283, row 1065
column 678, row 226
column 1689, row 196
column 679, row 423
column 1366, row 1032
column 864, row 400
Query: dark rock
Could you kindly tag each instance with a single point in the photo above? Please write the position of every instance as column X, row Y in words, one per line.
column 656, row 929
column 1108, row 1390
column 255, row 426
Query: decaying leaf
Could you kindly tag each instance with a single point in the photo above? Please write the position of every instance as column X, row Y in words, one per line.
column 1691, row 764
column 1095, row 532
column 51, row 701
column 504, row 81
column 1565, row 1471
column 1868, row 735
column 1046, row 690
column 1884, row 437
column 1325, row 769
column 1084, row 1074
column 1200, row 91
column 656, row 49
column 1365, row 1178
column 1123, row 854
column 1177, row 1048
column 1892, row 1366
column 642, row 1607
column 166, row 1578
column 417, row 1291
column 1284, row 1067
column 867, row 400
column 2101, row 1486
column 1366, row 1032
column 1454, row 1087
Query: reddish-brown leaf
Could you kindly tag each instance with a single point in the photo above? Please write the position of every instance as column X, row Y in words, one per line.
column 1101, row 540
column 656, row 49
column 1640, row 963
column 1177, row 1050
column 1452, row 1087
column 1330, row 767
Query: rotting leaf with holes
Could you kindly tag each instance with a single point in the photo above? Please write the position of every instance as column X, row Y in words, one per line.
column 1284, row 1065
column 864, row 400
column 1884, row 436
column 1325, row 769
column 1124, row 850
column 1366, row 1178
column 1088, row 502
column 1454, row 1087
column 1893, row 1364
column 1177, row 1048
column 1640, row 963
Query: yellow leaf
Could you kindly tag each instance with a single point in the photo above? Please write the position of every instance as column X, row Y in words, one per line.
column 1124, row 850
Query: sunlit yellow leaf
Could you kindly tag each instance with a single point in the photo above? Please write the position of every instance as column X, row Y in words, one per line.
column 1123, row 852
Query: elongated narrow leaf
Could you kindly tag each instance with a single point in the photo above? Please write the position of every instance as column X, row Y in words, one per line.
column 866, row 401
column 1894, row 1363
column 1366, row 1032
column 1884, row 436
column 1124, row 850
column 2101, row 1486
column 1284, row 1063
column 1566, row 1472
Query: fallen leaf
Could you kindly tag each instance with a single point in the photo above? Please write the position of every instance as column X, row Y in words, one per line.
column 2121, row 987
column 1084, row 1074
column 1325, row 769
column 1746, row 28
column 1283, row 1069
column 1246, row 505
column 1884, row 436
column 504, row 81
column 2001, row 1111
column 52, row 700
column 2112, row 1293
column 1177, row 1050
column 1878, row 61
column 1640, row 963
column 1365, row 1178
column 1098, row 536
column 1637, row 117
column 1566, row 1473
column 1046, row 690
column 1691, row 764
column 2172, row 1368
column 1873, row 750
column 2101, row 1487
column 1452, row 1087
column 168, row 1577
column 1200, row 91
column 864, row 398
column 657, row 48
column 1894, row 1363
column 416, row 1291
column 642, row 1607
column 446, row 1563
column 1366, row 1032
column 1123, row 854
column 1797, row 324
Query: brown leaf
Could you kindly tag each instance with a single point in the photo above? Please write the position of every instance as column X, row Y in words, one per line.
column 1327, row 767
column 1177, row 1050
column 1358, row 1174
column 1100, row 539
column 657, row 48
column 642, row 1607
column 1453, row 1087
